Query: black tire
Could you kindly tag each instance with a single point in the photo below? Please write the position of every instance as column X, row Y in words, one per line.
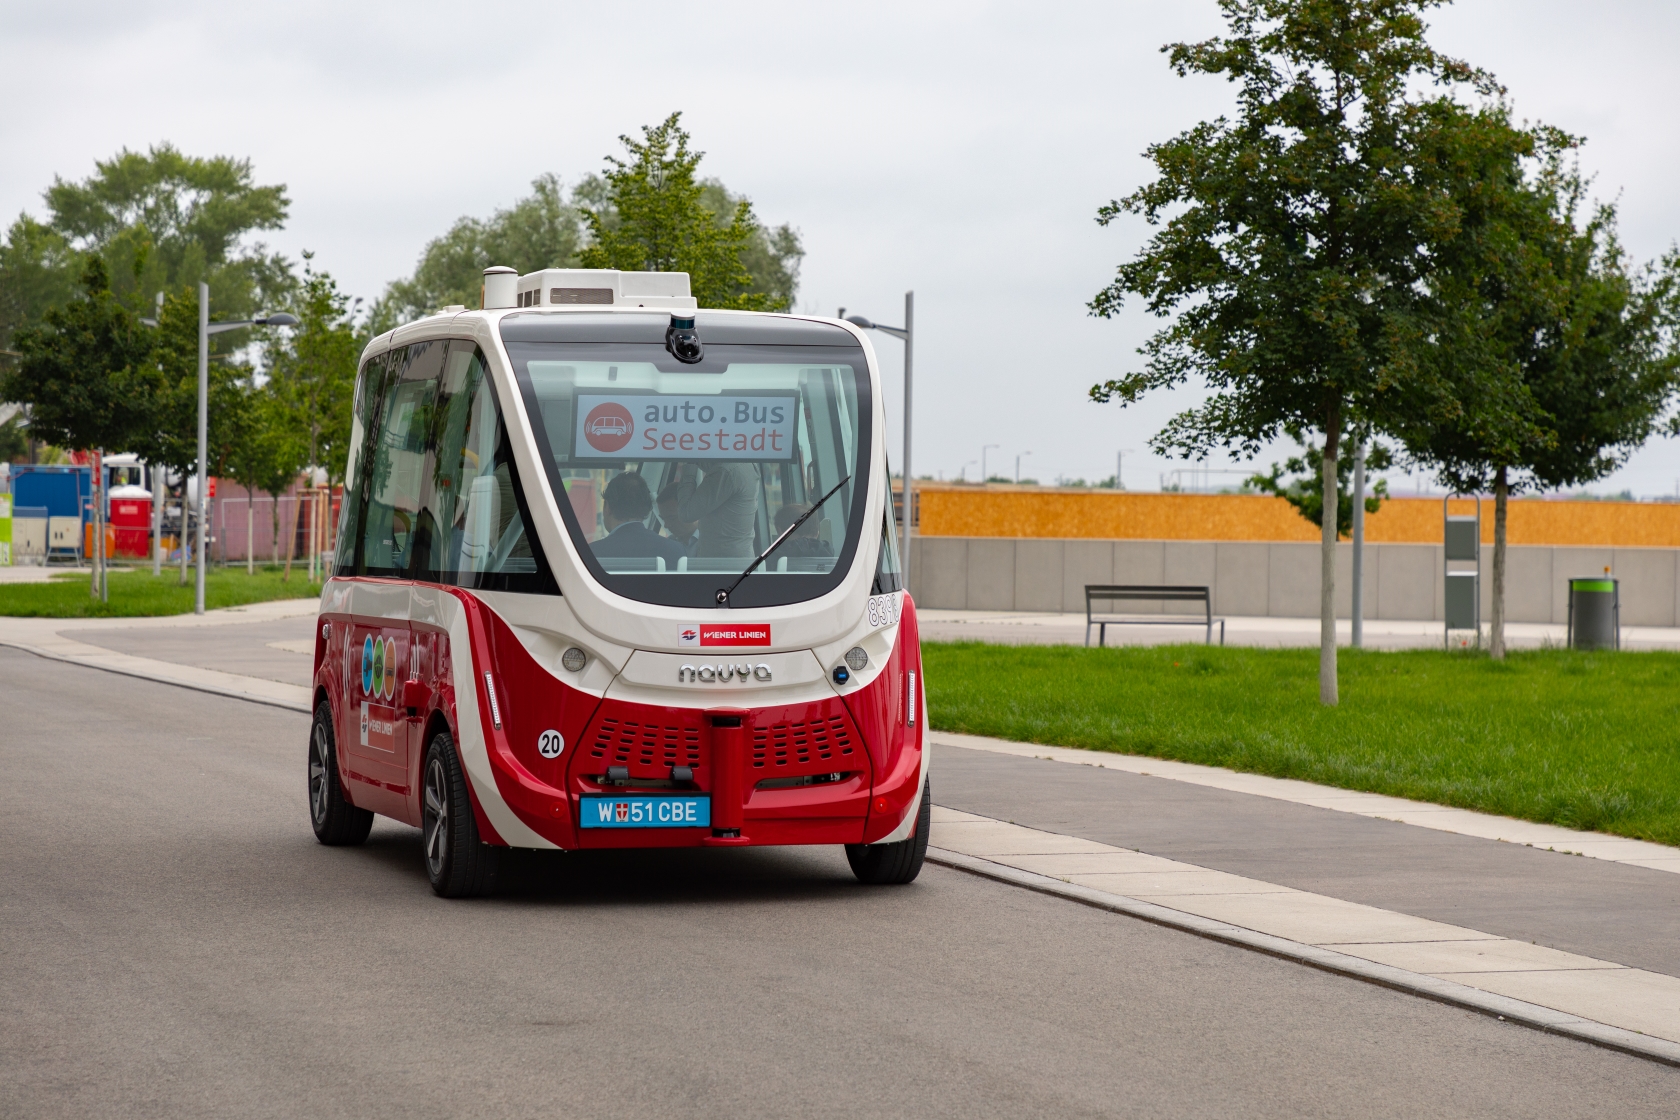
column 900, row 862
column 336, row 821
column 458, row 863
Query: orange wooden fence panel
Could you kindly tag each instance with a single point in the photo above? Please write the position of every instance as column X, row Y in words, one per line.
column 1046, row 512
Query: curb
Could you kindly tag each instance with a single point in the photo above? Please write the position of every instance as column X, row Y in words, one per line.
column 1530, row 1015
column 160, row 678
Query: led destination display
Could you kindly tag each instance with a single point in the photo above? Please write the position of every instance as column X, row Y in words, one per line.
column 644, row 426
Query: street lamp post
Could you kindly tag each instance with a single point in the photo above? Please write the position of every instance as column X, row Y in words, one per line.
column 1018, row 466
column 985, row 476
column 905, row 334
column 205, row 329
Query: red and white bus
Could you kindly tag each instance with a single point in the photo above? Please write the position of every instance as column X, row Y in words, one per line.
column 614, row 572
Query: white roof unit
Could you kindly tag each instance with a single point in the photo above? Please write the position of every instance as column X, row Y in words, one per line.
column 603, row 287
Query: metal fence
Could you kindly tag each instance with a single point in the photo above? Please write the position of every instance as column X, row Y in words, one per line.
column 258, row 528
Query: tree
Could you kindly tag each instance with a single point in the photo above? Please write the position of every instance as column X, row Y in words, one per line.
column 164, row 401
column 1584, row 344
column 37, row 271
column 654, row 218
column 313, row 370
column 271, row 456
column 1306, row 492
column 539, row 231
column 158, row 220
column 78, row 371
column 1296, row 239
column 163, row 219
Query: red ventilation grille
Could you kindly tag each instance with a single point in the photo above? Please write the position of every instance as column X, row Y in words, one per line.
column 800, row 744
column 657, row 745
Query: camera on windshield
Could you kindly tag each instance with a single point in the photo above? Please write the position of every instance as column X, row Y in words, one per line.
column 683, row 341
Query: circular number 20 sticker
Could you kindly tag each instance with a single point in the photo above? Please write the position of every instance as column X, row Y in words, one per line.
column 550, row 744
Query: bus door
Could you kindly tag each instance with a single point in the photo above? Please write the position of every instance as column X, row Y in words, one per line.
column 381, row 651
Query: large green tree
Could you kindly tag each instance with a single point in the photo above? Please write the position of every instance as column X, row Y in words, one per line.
column 159, row 220
column 1294, row 238
column 539, row 231
column 653, row 217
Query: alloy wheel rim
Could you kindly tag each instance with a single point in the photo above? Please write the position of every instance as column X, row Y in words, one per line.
column 318, row 775
column 436, row 818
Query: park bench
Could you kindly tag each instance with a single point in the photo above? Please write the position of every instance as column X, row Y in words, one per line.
column 1102, row 608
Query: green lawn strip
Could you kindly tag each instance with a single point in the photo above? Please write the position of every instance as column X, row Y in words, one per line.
column 1584, row 740
column 136, row 593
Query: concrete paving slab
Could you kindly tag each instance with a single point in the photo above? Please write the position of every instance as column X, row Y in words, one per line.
column 996, row 838
column 1091, row 863
column 1630, row 998
column 1314, row 919
column 1159, row 884
column 1447, row 958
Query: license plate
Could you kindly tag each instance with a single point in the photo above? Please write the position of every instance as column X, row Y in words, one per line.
column 647, row 812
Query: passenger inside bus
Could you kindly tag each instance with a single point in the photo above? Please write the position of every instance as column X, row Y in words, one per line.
column 723, row 503
column 685, row 533
column 804, row 542
column 626, row 504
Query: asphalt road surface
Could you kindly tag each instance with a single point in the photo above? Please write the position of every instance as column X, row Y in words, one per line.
column 176, row 944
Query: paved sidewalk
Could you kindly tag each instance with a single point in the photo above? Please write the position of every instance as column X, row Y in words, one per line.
column 1047, row 628
column 1596, row 1000
column 186, row 636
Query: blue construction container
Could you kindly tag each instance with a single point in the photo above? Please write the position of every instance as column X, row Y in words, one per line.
column 61, row 491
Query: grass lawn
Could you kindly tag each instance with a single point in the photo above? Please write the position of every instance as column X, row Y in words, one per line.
column 135, row 592
column 1585, row 740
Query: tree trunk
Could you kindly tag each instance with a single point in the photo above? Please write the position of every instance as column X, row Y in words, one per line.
column 291, row 539
column 274, row 544
column 98, row 529
column 1327, row 569
column 186, row 520
column 1501, row 491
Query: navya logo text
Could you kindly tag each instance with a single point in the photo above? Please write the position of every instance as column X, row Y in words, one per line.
column 723, row 674
column 758, row 427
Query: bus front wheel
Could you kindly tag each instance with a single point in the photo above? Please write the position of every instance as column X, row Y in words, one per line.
column 336, row 821
column 899, row 862
column 458, row 864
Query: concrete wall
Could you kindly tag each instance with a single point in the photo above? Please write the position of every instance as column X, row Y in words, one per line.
column 1402, row 581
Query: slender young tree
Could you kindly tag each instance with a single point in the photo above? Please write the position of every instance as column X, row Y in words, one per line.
column 1294, row 237
column 654, row 218
column 1547, row 313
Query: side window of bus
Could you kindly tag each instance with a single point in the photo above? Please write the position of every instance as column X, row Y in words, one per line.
column 888, row 576
column 472, row 493
column 391, row 527
column 370, row 390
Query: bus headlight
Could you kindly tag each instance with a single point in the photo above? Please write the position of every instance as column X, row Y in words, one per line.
column 857, row 657
column 574, row 659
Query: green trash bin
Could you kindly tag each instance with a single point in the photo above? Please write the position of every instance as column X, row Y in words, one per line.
column 1595, row 613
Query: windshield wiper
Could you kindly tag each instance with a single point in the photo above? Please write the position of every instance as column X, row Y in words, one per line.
column 724, row 593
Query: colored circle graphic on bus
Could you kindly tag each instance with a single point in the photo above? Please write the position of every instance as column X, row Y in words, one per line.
column 390, row 668
column 367, row 665
column 608, row 427
column 378, row 669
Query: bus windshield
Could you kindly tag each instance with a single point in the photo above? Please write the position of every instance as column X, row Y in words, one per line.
column 676, row 477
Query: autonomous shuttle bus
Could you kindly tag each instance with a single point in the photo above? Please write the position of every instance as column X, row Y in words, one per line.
column 617, row 572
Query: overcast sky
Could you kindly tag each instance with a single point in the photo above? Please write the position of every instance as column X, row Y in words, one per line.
column 960, row 150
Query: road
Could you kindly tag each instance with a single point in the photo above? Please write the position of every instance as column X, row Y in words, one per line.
column 176, row 944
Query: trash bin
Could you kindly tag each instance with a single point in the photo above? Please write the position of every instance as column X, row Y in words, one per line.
column 1595, row 613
